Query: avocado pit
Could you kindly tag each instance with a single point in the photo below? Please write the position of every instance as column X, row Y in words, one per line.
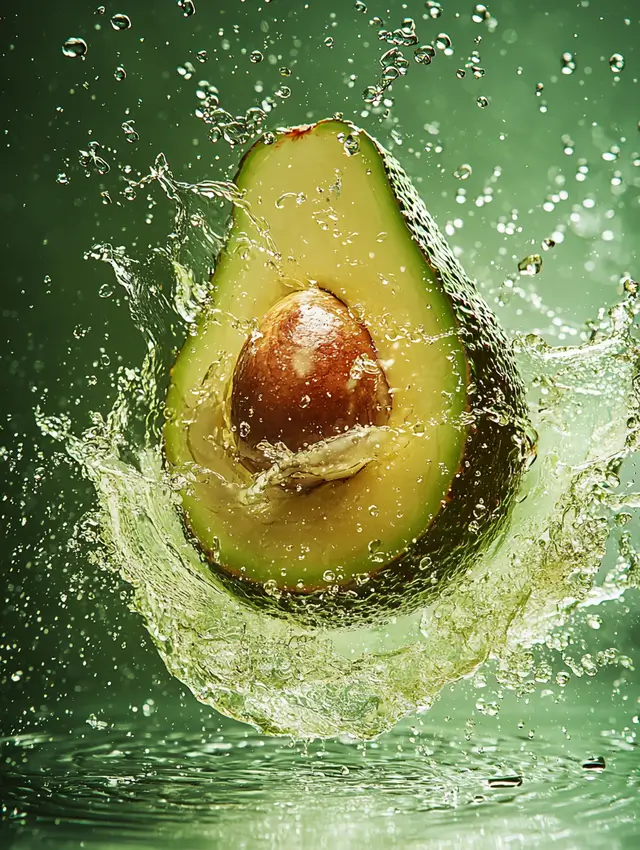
column 309, row 373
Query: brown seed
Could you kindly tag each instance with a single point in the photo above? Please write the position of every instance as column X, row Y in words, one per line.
column 311, row 372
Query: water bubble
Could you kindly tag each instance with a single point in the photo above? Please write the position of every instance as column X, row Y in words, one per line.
column 120, row 74
column 568, row 63
column 530, row 265
column 74, row 48
column 373, row 95
column 617, row 63
column 482, row 102
column 375, row 551
column 329, row 576
column 463, row 172
column 434, row 10
column 63, row 179
column 268, row 138
column 424, row 54
column 460, row 73
column 480, row 13
column 284, row 92
column 478, row 72
column 360, row 6
column 188, row 7
column 443, row 41
column 105, row 291
column 351, row 145
column 539, row 88
column 202, row 56
column 130, row 193
column 284, row 72
column 101, row 10
column 121, row 22
column 548, row 243
column 329, row 42
column 255, row 56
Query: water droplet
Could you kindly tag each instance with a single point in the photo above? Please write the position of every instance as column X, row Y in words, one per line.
column 329, row 42
column 120, row 74
column 284, row 92
column 424, row 54
column 188, row 7
column 255, row 56
column 504, row 781
column 63, row 179
column 105, row 291
column 548, row 243
column 130, row 193
column 539, row 88
column 328, row 576
column 74, row 48
column 121, row 22
column 596, row 763
column 344, row 770
column 375, row 551
column 568, row 63
column 460, row 73
column 480, row 14
column 530, row 265
column 285, row 72
column 483, row 102
column 434, row 10
column 477, row 72
column 463, row 172
column 268, row 138
column 129, row 132
column 101, row 10
column 617, row 63
column 351, row 145
column 373, row 95
column 562, row 678
column 202, row 56
column 360, row 6
column 443, row 41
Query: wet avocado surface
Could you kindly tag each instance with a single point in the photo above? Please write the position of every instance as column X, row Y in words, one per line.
column 397, row 508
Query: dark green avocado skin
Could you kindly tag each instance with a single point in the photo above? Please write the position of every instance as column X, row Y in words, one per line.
column 499, row 444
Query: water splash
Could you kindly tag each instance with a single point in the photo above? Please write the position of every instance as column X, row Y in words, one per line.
column 285, row 678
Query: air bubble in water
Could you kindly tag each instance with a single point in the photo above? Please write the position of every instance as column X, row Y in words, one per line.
column 121, row 22
column 482, row 101
column 443, row 41
column 202, row 56
column 568, row 63
column 597, row 764
column 530, row 265
column 460, row 73
column 63, row 179
column 463, row 172
column 617, row 63
column 129, row 132
column 283, row 92
column 360, row 6
column 329, row 42
column 478, row 72
column 504, row 782
column 120, row 73
column 285, row 72
column 351, row 145
column 480, row 13
column 73, row 48
column 434, row 9
column 255, row 56
column 539, row 88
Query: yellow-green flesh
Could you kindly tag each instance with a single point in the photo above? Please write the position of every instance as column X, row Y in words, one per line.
column 335, row 222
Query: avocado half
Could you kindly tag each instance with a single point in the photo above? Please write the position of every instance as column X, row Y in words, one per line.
column 399, row 488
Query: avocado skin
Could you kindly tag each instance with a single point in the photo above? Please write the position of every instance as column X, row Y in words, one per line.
column 498, row 446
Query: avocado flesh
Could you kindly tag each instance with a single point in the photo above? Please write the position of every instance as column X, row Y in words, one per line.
column 334, row 221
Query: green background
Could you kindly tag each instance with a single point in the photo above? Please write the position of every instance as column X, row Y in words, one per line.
column 69, row 646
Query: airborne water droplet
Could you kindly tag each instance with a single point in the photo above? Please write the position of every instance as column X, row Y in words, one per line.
column 121, row 22
column 463, row 172
column 568, row 63
column 74, row 48
column 530, row 265
column 617, row 63
column 480, row 14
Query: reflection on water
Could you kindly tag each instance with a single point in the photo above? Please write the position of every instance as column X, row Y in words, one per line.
column 416, row 787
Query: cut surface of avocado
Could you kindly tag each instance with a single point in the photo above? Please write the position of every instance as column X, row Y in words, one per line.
column 321, row 212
